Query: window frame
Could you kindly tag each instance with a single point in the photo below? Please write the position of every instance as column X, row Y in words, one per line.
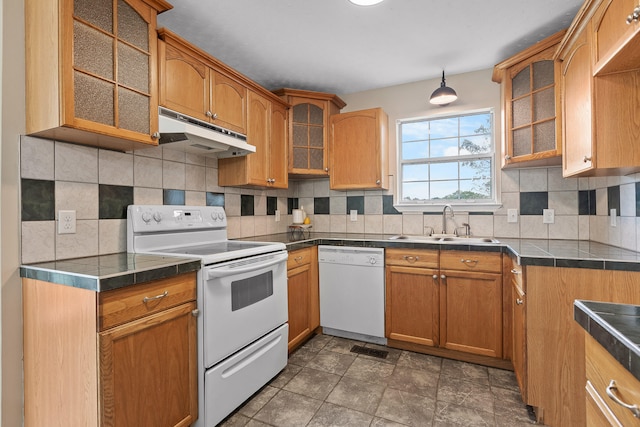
column 436, row 205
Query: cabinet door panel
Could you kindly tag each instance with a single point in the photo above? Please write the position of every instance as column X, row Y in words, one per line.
column 184, row 85
column 228, row 102
column 258, row 135
column 576, row 81
column 471, row 306
column 299, row 302
column 278, row 147
column 412, row 308
column 157, row 391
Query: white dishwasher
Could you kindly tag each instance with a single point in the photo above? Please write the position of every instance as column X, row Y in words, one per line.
column 352, row 292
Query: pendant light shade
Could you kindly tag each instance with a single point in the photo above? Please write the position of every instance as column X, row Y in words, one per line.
column 444, row 95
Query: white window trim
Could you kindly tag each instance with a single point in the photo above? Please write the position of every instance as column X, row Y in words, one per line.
column 491, row 205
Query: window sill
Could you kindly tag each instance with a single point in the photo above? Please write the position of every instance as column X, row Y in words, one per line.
column 457, row 207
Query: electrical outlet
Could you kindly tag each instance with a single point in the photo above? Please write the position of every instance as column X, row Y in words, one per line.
column 66, row 222
column 613, row 217
column 548, row 216
column 277, row 215
column 354, row 215
column 512, row 215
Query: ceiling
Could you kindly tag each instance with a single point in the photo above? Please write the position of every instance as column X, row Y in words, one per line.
column 337, row 47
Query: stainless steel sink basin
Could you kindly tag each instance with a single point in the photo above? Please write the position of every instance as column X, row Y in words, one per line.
column 447, row 239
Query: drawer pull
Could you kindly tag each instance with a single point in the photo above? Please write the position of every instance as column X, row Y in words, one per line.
column 469, row 261
column 410, row 258
column 298, row 259
column 610, row 392
column 162, row 295
column 514, row 271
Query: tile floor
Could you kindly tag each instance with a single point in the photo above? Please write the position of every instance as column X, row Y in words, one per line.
column 325, row 384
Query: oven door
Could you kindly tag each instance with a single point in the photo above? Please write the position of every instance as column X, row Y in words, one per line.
column 242, row 301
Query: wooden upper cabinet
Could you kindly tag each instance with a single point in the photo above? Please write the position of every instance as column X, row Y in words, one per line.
column 532, row 125
column 616, row 36
column 359, row 150
column 309, row 131
column 91, row 71
column 600, row 107
column 266, row 129
column 190, row 84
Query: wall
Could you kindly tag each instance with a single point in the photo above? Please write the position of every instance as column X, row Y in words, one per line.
column 108, row 181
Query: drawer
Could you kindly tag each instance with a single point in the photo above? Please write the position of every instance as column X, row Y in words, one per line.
column 133, row 302
column 412, row 257
column 490, row 262
column 299, row 257
column 601, row 368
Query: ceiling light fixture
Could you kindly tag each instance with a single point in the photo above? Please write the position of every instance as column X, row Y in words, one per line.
column 365, row 2
column 444, row 95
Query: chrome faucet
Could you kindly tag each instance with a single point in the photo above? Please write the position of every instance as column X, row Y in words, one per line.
column 444, row 218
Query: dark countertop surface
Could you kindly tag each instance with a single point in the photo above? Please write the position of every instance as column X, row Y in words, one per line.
column 543, row 252
column 616, row 327
column 106, row 272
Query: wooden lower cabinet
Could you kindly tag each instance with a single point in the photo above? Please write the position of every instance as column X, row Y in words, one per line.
column 555, row 342
column 450, row 309
column 140, row 370
column 303, row 295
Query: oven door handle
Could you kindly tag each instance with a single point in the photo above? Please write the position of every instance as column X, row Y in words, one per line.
column 241, row 268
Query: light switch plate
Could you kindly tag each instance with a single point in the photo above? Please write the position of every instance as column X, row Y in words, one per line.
column 512, row 215
column 548, row 216
column 354, row 214
column 613, row 215
column 66, row 222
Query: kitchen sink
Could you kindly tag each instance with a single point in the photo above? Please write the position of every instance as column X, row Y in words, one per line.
column 444, row 239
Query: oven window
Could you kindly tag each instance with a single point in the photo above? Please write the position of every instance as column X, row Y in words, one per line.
column 252, row 290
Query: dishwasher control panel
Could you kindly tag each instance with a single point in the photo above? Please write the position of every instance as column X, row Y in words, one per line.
column 373, row 257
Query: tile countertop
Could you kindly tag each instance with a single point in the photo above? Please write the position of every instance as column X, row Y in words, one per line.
column 616, row 327
column 107, row 272
column 541, row 252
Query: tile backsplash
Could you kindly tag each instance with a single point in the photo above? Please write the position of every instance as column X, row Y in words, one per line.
column 99, row 184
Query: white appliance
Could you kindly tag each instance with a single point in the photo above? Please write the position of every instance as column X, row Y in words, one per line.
column 241, row 300
column 352, row 292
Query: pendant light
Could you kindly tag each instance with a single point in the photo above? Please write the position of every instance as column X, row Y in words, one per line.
column 365, row 2
column 444, row 95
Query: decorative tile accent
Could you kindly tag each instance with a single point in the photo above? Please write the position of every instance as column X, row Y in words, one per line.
column 532, row 203
column 272, row 205
column 38, row 200
column 584, row 202
column 387, row 205
column 355, row 203
column 173, row 197
column 292, row 203
column 613, row 199
column 113, row 201
column 246, row 205
column 321, row 205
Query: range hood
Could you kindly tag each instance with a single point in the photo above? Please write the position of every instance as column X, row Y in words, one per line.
column 184, row 133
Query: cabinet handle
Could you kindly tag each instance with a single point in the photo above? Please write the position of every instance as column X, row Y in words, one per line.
column 634, row 16
column 586, row 159
column 519, row 301
column 162, row 295
column 443, row 277
column 377, row 182
column 195, row 313
column 435, row 277
column 155, row 135
column 208, row 114
column 410, row 258
column 507, row 157
column 215, row 116
column 514, row 271
column 610, row 392
column 469, row 261
column 298, row 259
column 326, row 169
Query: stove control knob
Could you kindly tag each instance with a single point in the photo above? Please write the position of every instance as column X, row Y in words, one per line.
column 221, row 216
column 157, row 216
column 214, row 216
column 146, row 217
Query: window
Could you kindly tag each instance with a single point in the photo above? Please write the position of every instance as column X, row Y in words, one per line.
column 447, row 160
